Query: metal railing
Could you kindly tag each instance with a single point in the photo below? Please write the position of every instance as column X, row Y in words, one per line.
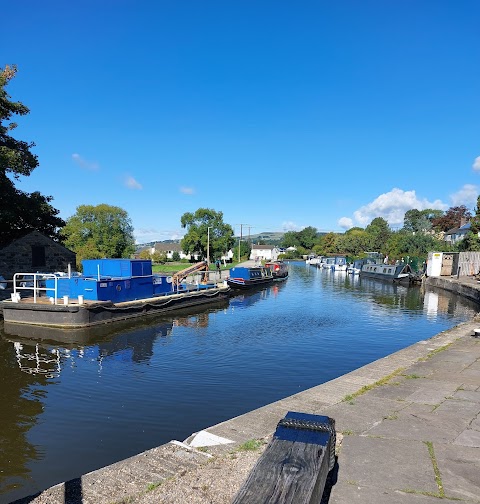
column 33, row 282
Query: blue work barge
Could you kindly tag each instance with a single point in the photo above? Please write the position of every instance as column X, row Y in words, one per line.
column 108, row 290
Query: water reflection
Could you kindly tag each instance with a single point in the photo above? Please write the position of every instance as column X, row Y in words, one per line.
column 21, row 397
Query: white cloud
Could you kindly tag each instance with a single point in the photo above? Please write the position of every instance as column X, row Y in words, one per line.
column 291, row 226
column 476, row 164
column 83, row 163
column 131, row 183
column 345, row 223
column 146, row 235
column 467, row 195
column 187, row 190
column 392, row 207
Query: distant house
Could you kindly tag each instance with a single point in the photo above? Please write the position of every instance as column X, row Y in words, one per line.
column 31, row 251
column 169, row 249
column 264, row 252
column 457, row 234
column 228, row 257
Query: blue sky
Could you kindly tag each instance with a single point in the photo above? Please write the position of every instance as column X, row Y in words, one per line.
column 280, row 114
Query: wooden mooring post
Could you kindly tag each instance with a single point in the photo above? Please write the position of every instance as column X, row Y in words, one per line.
column 295, row 465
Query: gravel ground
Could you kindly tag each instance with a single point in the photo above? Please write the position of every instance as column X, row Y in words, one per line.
column 216, row 482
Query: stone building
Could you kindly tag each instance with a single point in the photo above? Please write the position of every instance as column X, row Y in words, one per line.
column 31, row 252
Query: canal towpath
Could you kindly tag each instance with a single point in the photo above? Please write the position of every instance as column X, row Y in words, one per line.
column 408, row 429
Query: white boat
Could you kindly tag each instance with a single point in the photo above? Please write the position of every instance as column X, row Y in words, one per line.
column 356, row 267
column 313, row 260
column 327, row 263
column 339, row 264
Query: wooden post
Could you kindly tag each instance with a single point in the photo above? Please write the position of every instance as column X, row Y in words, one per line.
column 295, row 465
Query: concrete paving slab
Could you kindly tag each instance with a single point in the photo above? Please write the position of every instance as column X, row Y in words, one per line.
column 350, row 493
column 465, row 380
column 413, row 422
column 469, row 437
column 396, row 390
column 471, row 372
column 432, row 392
column 387, row 464
column 363, row 414
column 461, row 358
column 459, row 469
column 476, row 423
column 461, row 411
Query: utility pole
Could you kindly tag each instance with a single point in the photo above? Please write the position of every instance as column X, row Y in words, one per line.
column 208, row 245
column 239, row 242
column 241, row 238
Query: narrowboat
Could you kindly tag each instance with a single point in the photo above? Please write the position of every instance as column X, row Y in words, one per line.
column 243, row 277
column 106, row 291
column 398, row 273
column 279, row 269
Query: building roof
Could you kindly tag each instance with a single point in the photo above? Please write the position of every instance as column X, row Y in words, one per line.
column 462, row 229
column 21, row 234
column 168, row 247
column 262, row 247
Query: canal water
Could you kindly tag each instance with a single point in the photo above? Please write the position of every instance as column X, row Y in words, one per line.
column 74, row 401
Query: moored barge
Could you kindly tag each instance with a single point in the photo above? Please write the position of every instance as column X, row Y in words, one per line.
column 279, row 269
column 108, row 290
column 243, row 277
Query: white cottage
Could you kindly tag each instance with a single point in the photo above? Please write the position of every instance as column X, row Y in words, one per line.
column 264, row 253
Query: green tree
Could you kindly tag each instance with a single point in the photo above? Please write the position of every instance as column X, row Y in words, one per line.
column 471, row 242
column 379, row 233
column 308, row 237
column 145, row 254
column 94, row 232
column 420, row 220
column 402, row 243
column 354, row 242
column 327, row 244
column 20, row 211
column 245, row 249
column 290, row 239
column 159, row 257
column 197, row 236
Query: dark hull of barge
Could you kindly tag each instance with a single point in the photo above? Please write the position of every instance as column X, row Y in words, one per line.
column 90, row 314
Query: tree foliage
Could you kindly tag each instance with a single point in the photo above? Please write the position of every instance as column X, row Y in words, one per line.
column 20, row 211
column 94, row 232
column 471, row 241
column 15, row 155
column 354, row 242
column 417, row 221
column 290, row 239
column 379, row 232
column 452, row 218
column 306, row 238
column 402, row 243
column 196, row 238
column 327, row 244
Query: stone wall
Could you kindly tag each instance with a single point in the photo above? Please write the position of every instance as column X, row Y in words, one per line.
column 17, row 256
column 470, row 291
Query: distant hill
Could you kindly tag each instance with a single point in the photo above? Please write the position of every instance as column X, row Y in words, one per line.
column 267, row 237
